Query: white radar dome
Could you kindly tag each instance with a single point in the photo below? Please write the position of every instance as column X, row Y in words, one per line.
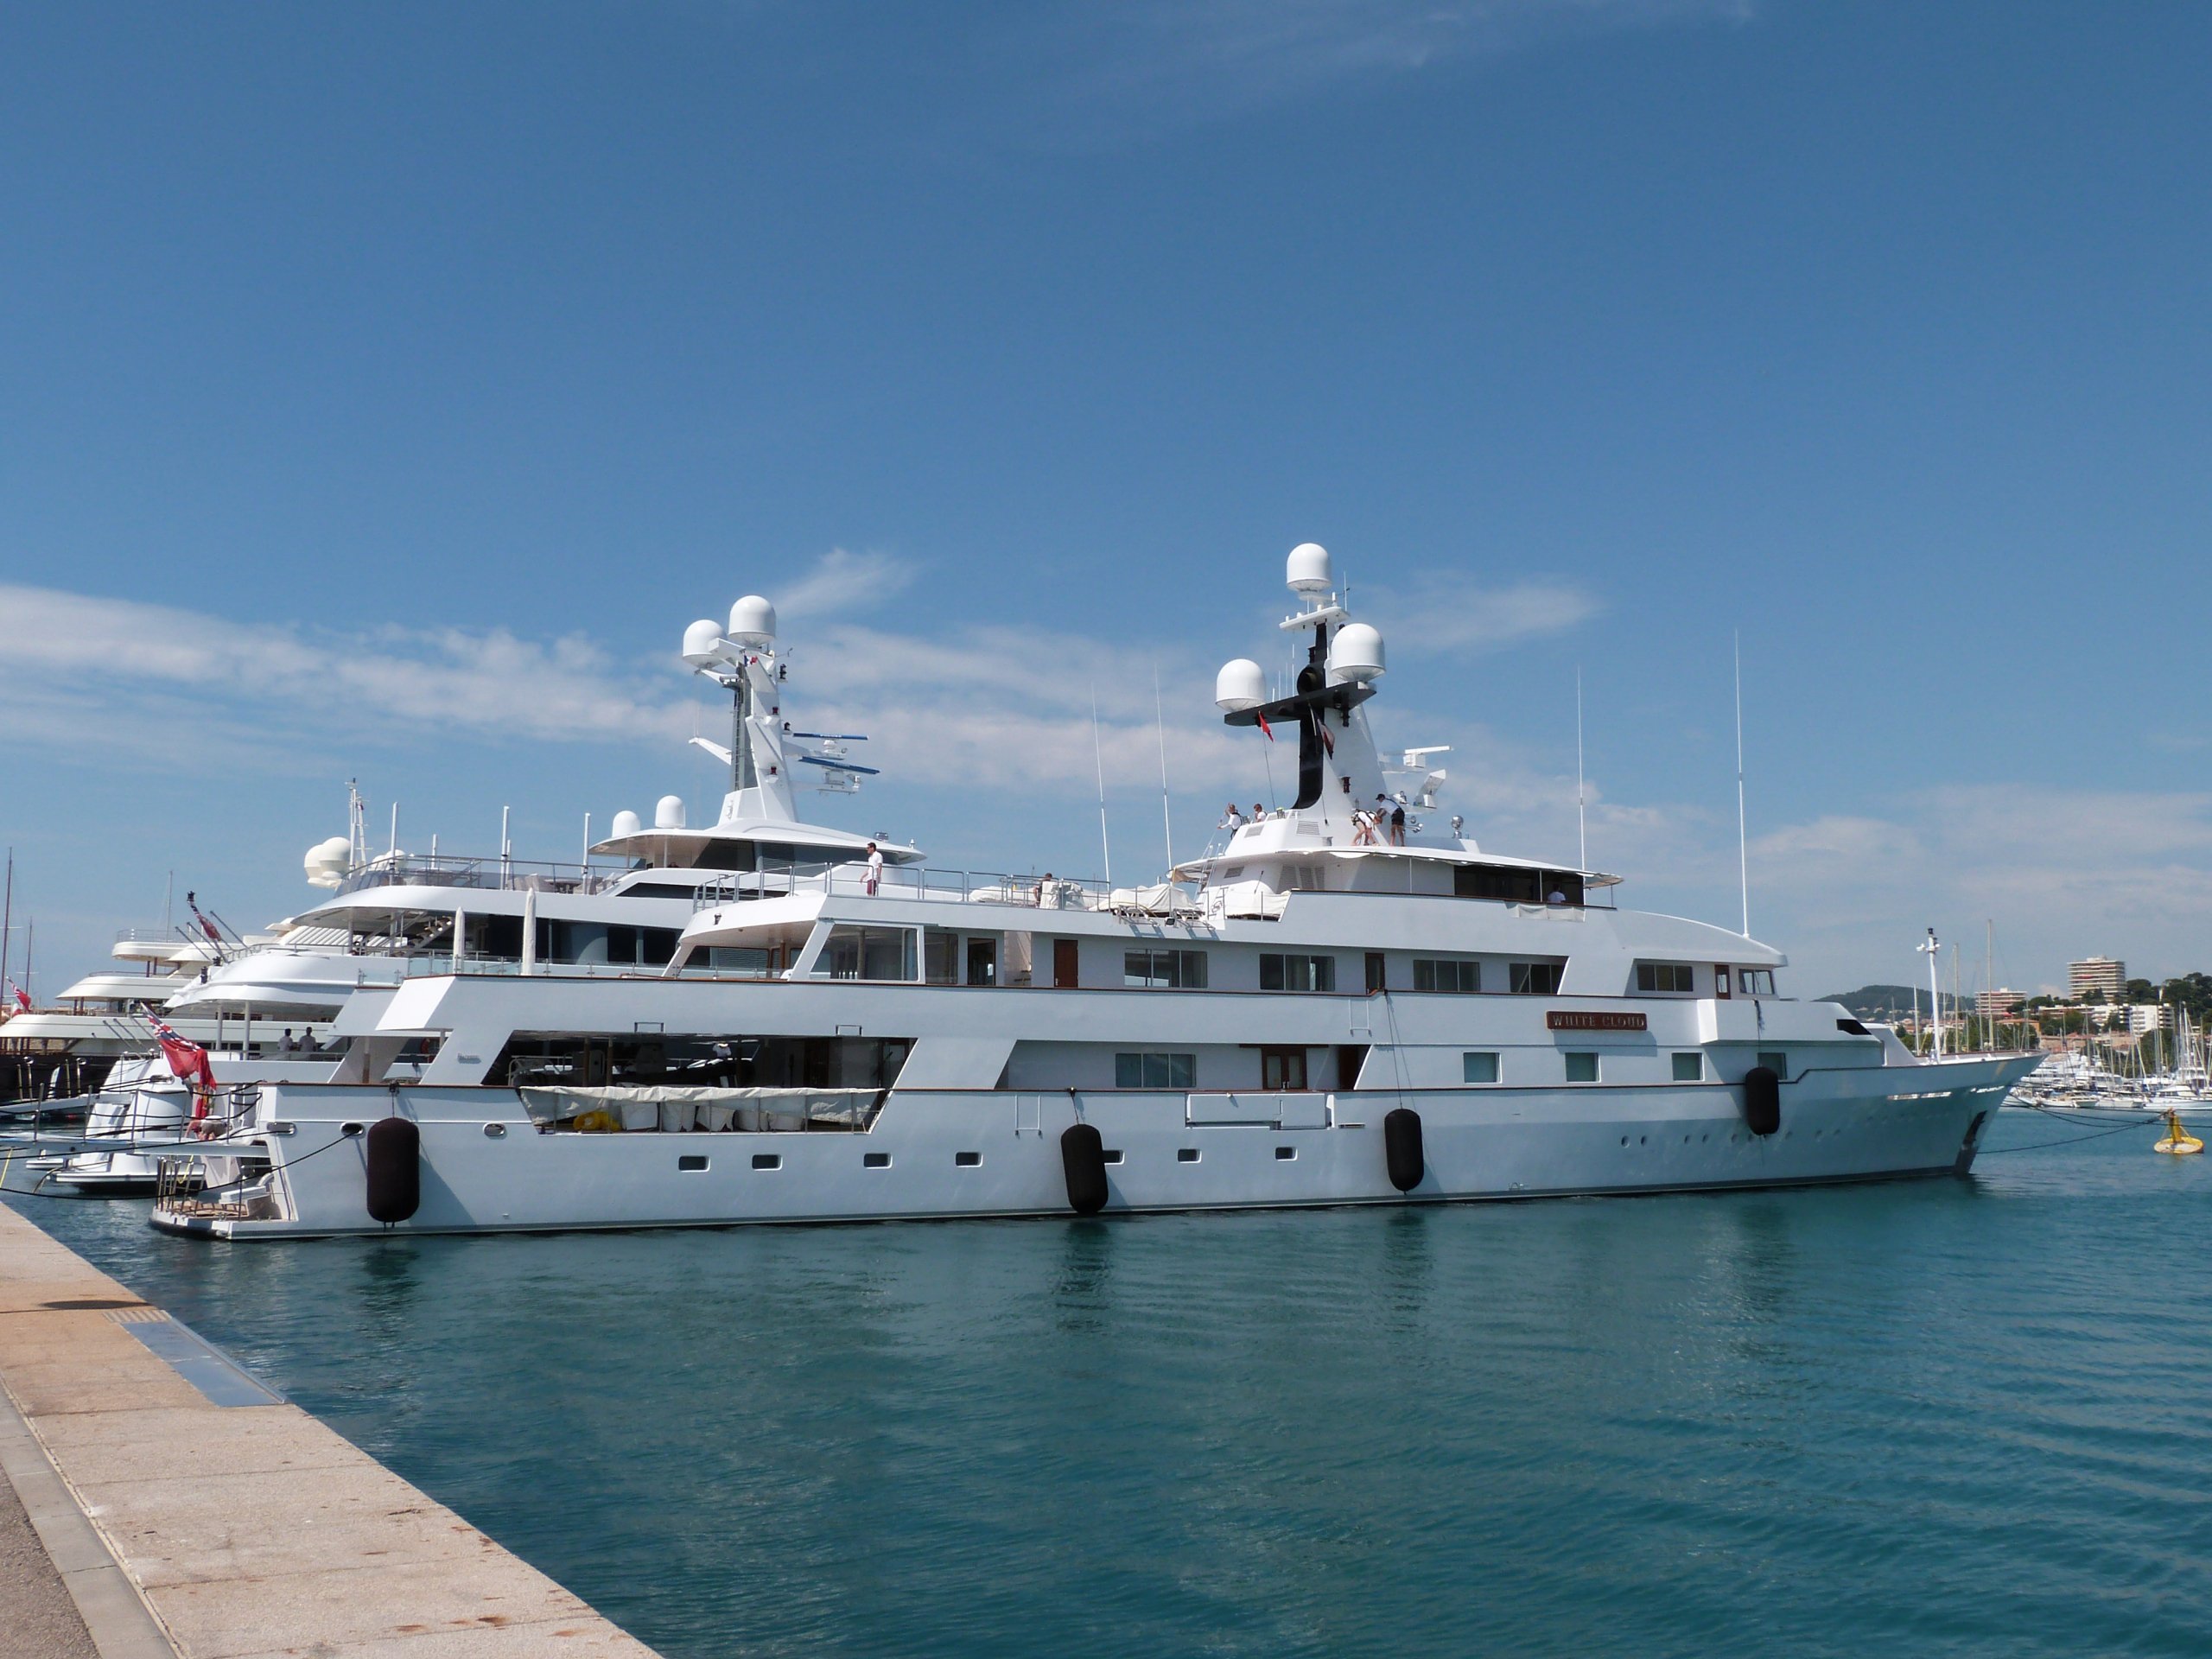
column 1240, row 685
column 669, row 815
column 752, row 621
column 1356, row 654
column 703, row 643
column 326, row 861
column 626, row 823
column 1307, row 569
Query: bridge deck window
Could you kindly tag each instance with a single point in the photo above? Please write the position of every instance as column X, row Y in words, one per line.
column 1289, row 973
column 1533, row 978
column 1671, row 977
column 1149, row 1070
column 1447, row 974
column 1174, row 969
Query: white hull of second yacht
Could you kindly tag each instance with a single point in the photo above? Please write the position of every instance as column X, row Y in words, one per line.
column 485, row 1167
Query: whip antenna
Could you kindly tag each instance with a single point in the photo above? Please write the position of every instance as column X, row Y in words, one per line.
column 1098, row 760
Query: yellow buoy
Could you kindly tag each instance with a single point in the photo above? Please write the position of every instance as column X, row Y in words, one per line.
column 2178, row 1141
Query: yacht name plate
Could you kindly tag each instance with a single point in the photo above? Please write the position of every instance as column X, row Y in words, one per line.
column 1574, row 1020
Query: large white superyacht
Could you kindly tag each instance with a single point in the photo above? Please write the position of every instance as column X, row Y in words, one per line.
column 1347, row 1003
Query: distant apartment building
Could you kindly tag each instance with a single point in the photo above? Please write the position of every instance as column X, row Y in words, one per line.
column 1999, row 1004
column 2096, row 974
column 2149, row 1016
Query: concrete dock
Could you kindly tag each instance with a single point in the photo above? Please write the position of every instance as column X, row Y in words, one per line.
column 164, row 1504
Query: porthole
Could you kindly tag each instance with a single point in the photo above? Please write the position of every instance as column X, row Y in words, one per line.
column 349, row 1129
column 875, row 1160
column 1113, row 1155
column 767, row 1161
column 1284, row 1154
column 692, row 1160
column 494, row 1131
column 1186, row 1155
column 967, row 1160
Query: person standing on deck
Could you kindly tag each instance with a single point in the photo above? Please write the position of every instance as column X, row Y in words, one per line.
column 874, row 876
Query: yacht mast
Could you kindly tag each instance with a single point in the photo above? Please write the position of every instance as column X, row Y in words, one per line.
column 1581, row 828
column 1934, row 951
column 1743, row 840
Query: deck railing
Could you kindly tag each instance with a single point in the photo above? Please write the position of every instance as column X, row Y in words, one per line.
column 909, row 882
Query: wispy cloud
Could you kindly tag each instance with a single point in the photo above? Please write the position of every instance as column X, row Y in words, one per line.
column 72, row 664
column 1168, row 63
column 842, row 581
column 1441, row 611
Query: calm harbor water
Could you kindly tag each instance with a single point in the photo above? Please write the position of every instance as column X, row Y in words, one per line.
column 1939, row 1417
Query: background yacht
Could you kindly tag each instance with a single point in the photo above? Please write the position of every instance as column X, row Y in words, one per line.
column 267, row 1007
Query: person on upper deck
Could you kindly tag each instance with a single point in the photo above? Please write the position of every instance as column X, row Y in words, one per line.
column 1398, row 824
column 1231, row 820
column 1556, row 897
column 874, row 876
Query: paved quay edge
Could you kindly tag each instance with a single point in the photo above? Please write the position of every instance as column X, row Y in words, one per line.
column 184, row 1528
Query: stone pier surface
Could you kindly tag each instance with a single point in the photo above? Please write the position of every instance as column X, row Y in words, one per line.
column 176, row 1524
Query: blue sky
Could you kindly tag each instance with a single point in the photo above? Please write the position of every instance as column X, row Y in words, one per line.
column 385, row 389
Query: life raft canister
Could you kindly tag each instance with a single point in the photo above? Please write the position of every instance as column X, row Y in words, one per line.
column 393, row 1147
column 1761, row 1100
column 1402, row 1147
column 1082, row 1160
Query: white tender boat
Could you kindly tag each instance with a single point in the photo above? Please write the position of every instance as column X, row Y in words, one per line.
column 1330, row 1008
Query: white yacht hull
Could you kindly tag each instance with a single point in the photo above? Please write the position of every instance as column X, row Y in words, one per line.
column 1316, row 1149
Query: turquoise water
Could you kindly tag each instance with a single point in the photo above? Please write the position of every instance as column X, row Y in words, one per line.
column 1942, row 1417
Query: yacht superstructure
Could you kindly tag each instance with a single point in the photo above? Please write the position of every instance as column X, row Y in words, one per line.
column 1344, row 1003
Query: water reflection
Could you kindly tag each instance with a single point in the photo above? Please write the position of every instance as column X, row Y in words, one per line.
column 1729, row 1423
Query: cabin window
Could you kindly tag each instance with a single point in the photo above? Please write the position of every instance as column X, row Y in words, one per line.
column 1478, row 1066
column 1286, row 973
column 1689, row 1068
column 982, row 962
column 1756, row 981
column 1149, row 1070
column 1175, row 970
column 1581, row 1066
column 1282, row 1067
column 1491, row 881
column 1774, row 1061
column 1446, row 973
column 940, row 957
column 1666, row 976
column 869, row 953
column 1533, row 978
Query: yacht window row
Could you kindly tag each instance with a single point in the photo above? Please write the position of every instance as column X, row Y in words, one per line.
column 907, row 955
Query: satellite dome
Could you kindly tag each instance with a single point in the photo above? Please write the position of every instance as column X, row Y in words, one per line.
column 669, row 815
column 703, row 643
column 1240, row 685
column 626, row 824
column 326, row 861
column 1356, row 654
column 752, row 621
column 1307, row 569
